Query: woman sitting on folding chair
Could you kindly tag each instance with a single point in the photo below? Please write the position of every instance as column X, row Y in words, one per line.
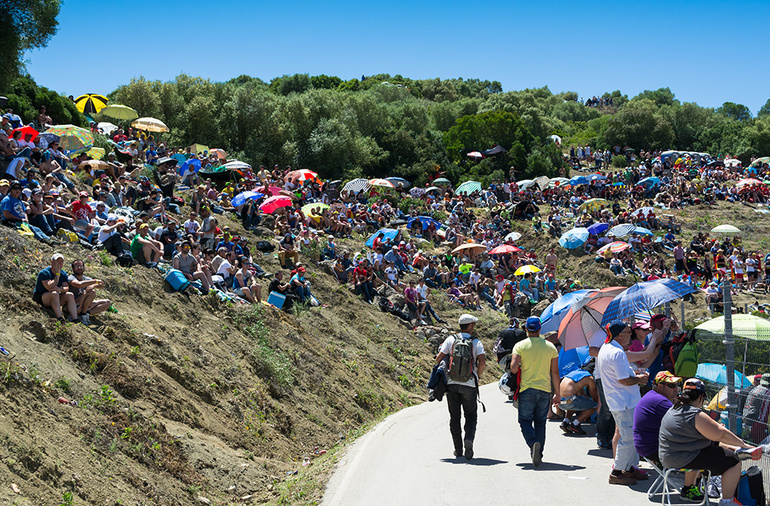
column 690, row 439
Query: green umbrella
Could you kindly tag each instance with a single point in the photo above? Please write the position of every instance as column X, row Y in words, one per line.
column 72, row 138
column 745, row 326
column 441, row 180
column 315, row 205
column 118, row 111
column 469, row 187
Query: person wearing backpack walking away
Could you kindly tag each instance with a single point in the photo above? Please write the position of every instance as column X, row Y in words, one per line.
column 466, row 363
column 621, row 391
column 538, row 361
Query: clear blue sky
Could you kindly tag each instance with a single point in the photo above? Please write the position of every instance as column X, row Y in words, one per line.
column 707, row 52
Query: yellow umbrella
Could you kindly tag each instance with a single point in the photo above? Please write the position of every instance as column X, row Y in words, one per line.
column 525, row 269
column 469, row 246
column 592, row 205
column 150, row 125
column 91, row 103
column 118, row 111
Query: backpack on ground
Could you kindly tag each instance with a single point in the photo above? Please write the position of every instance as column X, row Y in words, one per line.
column 680, row 355
column 461, row 359
column 264, row 246
column 751, row 491
column 177, row 280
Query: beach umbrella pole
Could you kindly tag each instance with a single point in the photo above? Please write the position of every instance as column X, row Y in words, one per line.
column 729, row 356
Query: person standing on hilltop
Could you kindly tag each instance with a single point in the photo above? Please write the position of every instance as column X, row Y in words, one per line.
column 465, row 363
column 538, row 361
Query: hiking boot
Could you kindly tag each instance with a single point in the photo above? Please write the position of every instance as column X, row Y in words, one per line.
column 691, row 493
column 537, row 454
column 621, row 479
column 468, row 449
column 637, row 474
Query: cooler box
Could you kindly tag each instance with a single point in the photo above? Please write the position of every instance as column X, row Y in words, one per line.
column 276, row 299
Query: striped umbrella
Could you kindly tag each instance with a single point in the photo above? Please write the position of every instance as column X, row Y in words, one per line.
column 592, row 205
column 471, row 246
column 91, row 103
column 237, row 165
column 645, row 296
column 72, row 138
column 301, row 175
column 613, row 247
column 581, row 325
column 118, row 111
column 621, row 230
column 552, row 316
column 383, row 183
column 356, row 185
column 150, row 125
column 468, row 187
column 726, row 229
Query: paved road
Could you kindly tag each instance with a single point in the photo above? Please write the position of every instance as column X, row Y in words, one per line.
column 406, row 459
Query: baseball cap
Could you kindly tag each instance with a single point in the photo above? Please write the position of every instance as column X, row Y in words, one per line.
column 641, row 325
column 83, row 194
column 615, row 328
column 666, row 377
column 694, row 384
column 466, row 318
column 533, row 324
column 4, row 182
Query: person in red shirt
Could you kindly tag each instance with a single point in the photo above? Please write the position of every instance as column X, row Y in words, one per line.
column 362, row 277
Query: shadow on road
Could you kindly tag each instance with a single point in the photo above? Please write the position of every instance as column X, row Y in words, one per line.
column 475, row 461
column 549, row 466
column 598, row 452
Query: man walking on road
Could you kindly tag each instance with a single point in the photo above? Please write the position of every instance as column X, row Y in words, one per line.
column 621, row 390
column 463, row 394
column 539, row 364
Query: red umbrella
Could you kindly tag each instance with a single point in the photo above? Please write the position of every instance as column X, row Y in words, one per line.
column 475, row 154
column 584, row 318
column 271, row 190
column 270, row 205
column 503, row 249
column 26, row 129
column 301, row 175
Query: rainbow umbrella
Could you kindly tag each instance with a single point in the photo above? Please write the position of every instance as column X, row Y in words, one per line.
column 270, row 205
column 72, row 138
column 614, row 247
column 91, row 103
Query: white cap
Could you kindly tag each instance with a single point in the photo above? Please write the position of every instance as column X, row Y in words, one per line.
column 57, row 256
column 466, row 318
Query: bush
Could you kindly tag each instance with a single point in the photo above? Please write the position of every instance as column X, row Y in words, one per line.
column 619, row 161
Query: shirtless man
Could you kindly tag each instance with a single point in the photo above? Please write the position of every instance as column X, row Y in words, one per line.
column 574, row 399
column 550, row 262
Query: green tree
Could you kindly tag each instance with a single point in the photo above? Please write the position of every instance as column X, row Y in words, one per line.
column 764, row 110
column 638, row 125
column 297, row 83
column 738, row 112
column 325, row 82
column 661, row 96
column 26, row 24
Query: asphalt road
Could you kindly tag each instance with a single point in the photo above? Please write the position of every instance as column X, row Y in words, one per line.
column 408, row 459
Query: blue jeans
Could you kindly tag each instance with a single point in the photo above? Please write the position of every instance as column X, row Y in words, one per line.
column 302, row 292
column 44, row 223
column 462, row 397
column 533, row 412
column 61, row 177
column 605, row 424
column 366, row 290
column 484, row 294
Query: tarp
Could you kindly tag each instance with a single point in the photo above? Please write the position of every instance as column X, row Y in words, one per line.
column 389, row 234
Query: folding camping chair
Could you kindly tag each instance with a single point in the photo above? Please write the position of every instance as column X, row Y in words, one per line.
column 667, row 488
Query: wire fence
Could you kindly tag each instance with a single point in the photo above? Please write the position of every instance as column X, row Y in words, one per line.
column 750, row 343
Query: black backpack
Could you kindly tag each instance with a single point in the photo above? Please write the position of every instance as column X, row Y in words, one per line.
column 506, row 341
column 461, row 359
column 264, row 246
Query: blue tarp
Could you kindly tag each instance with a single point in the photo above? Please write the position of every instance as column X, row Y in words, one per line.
column 389, row 234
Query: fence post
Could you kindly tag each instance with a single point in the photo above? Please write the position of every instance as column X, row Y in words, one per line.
column 668, row 309
column 732, row 401
column 681, row 321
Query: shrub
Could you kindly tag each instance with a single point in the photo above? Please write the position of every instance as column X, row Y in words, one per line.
column 619, row 161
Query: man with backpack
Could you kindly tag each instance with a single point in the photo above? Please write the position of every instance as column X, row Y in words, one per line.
column 465, row 364
column 538, row 361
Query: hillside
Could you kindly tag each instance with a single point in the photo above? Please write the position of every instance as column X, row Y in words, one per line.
column 181, row 397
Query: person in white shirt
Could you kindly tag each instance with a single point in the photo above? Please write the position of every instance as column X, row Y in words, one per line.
column 621, row 390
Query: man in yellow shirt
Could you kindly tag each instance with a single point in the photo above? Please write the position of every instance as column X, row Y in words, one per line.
column 538, row 361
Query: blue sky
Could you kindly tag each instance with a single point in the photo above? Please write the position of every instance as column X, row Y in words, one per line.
column 707, row 52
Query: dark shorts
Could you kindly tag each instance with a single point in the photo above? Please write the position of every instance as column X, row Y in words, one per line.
column 140, row 257
column 38, row 297
column 714, row 458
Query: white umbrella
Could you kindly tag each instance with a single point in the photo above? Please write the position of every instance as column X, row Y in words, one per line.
column 621, row 230
column 356, row 185
column 525, row 183
column 513, row 236
column 237, row 165
column 726, row 229
column 107, row 127
column 150, row 125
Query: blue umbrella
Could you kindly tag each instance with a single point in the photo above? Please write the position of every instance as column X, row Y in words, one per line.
column 552, row 316
column 574, row 238
column 242, row 197
column 644, row 297
column 649, row 181
column 573, row 359
column 179, row 157
column 598, row 228
column 643, row 231
column 597, row 177
column 717, row 373
column 390, row 234
column 192, row 161
column 578, row 180
column 399, row 182
column 426, row 220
